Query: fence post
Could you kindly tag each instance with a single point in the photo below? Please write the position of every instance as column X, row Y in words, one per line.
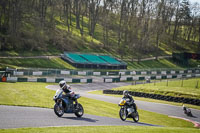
column 197, row 84
column 154, row 82
column 182, row 83
column 167, row 82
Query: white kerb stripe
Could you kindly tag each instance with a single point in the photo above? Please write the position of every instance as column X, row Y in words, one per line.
column 169, row 76
column 122, row 73
column 123, row 78
column 37, row 73
column 81, row 73
column 158, row 77
column 179, row 76
column 96, row 73
column 12, row 79
column 18, row 73
column 197, row 75
column 147, row 77
column 173, row 72
column 108, row 80
column 197, row 71
column 65, row 72
column 143, row 73
column 68, row 79
column 153, row 72
column 51, row 80
column 32, row 79
column 83, row 80
column 189, row 76
column 164, row 72
column 189, row 71
column 133, row 73
column 181, row 72
column 135, row 77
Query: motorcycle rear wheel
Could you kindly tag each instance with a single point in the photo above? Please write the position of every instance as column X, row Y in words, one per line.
column 80, row 111
column 122, row 115
column 59, row 111
column 136, row 116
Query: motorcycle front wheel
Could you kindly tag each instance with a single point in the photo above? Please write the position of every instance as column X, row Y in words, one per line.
column 80, row 110
column 59, row 111
column 135, row 116
column 122, row 114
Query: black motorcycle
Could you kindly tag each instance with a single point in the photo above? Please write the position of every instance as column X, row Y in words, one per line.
column 67, row 104
column 126, row 111
column 187, row 111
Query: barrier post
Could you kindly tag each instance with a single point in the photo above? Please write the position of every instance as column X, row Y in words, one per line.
column 182, row 83
column 167, row 82
column 197, row 86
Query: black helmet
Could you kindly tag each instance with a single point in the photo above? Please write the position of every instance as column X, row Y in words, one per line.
column 125, row 93
column 62, row 84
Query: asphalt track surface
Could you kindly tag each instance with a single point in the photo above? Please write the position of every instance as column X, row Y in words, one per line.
column 21, row 117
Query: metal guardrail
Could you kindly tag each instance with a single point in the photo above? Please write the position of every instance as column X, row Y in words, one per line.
column 56, row 72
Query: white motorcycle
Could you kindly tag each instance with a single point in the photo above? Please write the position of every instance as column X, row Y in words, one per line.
column 126, row 111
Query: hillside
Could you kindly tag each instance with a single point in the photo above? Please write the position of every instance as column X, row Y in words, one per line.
column 49, row 28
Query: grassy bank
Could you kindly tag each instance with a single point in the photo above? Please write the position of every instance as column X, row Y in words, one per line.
column 178, row 88
column 56, row 63
column 60, row 64
column 35, row 94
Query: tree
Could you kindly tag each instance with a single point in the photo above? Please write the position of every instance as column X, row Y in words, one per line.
column 93, row 15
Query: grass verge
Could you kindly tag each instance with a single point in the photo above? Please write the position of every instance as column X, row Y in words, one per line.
column 102, row 129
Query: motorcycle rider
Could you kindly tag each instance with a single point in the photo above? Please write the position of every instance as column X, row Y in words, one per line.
column 131, row 100
column 67, row 89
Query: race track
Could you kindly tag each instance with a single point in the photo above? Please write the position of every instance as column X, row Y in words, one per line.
column 20, row 117
column 166, row 109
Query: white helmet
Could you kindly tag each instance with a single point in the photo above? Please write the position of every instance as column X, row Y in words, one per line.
column 62, row 84
column 125, row 93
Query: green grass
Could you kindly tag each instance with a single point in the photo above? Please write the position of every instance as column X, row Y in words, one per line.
column 170, row 88
column 100, row 92
column 56, row 63
column 59, row 63
column 35, row 94
column 161, row 63
column 51, row 51
column 102, row 129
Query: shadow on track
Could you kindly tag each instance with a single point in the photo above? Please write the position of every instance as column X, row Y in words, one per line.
column 142, row 124
column 80, row 119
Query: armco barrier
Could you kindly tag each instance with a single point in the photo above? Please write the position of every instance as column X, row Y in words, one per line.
column 50, row 80
column 157, row 96
column 45, row 72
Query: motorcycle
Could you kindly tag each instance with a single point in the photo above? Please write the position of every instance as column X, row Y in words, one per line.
column 67, row 104
column 187, row 111
column 126, row 111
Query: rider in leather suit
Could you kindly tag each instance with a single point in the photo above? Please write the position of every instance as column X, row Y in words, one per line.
column 131, row 100
column 67, row 89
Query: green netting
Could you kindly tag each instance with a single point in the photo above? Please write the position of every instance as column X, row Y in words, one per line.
column 76, row 57
column 109, row 59
column 93, row 59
